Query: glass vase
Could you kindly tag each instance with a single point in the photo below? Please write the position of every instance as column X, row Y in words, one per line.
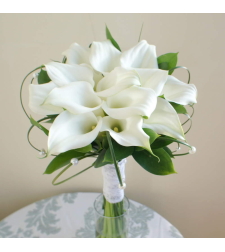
column 112, row 207
column 111, row 219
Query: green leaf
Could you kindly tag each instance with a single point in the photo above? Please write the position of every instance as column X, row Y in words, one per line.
column 152, row 164
column 85, row 149
column 35, row 123
column 152, row 134
column 167, row 61
column 166, row 140
column 140, row 32
column 97, row 144
column 62, row 160
column 109, row 36
column 163, row 65
column 120, row 151
column 168, row 151
column 105, row 143
column 43, row 77
column 180, row 109
column 100, row 159
column 162, row 142
column 51, row 118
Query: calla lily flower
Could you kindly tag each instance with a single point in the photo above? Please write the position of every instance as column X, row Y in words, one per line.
column 71, row 131
column 131, row 102
column 37, row 96
column 142, row 55
column 77, row 55
column 63, row 74
column 104, row 57
column 127, row 132
column 179, row 92
column 76, row 97
column 164, row 120
column 116, row 81
column 152, row 78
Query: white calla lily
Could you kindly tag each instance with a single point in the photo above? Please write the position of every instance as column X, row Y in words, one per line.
column 142, row 55
column 104, row 57
column 127, row 132
column 77, row 55
column 37, row 96
column 63, row 74
column 71, row 131
column 116, row 81
column 77, row 97
column 99, row 112
column 152, row 78
column 131, row 102
column 179, row 92
column 164, row 120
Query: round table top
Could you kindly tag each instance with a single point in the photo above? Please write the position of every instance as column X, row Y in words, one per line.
column 72, row 215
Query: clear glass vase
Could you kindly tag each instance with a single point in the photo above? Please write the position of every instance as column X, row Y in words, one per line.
column 111, row 219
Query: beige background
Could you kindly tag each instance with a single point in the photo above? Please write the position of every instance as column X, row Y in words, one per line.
column 193, row 200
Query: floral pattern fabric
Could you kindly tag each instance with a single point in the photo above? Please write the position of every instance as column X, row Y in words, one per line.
column 72, row 215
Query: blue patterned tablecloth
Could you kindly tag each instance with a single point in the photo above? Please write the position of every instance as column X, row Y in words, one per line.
column 72, row 215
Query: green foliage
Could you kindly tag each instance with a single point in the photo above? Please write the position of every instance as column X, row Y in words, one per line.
column 100, row 160
column 109, row 36
column 62, row 160
column 168, row 151
column 180, row 109
column 97, row 144
column 152, row 164
column 167, row 61
column 51, row 118
column 85, row 149
column 152, row 134
column 120, row 151
column 163, row 141
column 43, row 77
column 35, row 123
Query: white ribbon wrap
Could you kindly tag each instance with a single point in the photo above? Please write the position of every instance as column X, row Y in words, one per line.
column 111, row 190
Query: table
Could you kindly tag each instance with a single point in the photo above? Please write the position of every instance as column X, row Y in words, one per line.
column 72, row 215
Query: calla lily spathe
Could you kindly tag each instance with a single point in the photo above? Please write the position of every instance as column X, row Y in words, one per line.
column 116, row 81
column 76, row 97
column 77, row 55
column 63, row 74
column 46, row 99
column 152, row 78
column 179, row 92
column 164, row 120
column 37, row 96
column 131, row 102
column 142, row 55
column 71, row 131
column 127, row 132
column 104, row 57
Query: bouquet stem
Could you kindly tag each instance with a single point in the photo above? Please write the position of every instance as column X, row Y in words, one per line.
column 114, row 221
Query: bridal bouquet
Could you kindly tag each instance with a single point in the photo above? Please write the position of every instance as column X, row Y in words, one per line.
column 107, row 104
